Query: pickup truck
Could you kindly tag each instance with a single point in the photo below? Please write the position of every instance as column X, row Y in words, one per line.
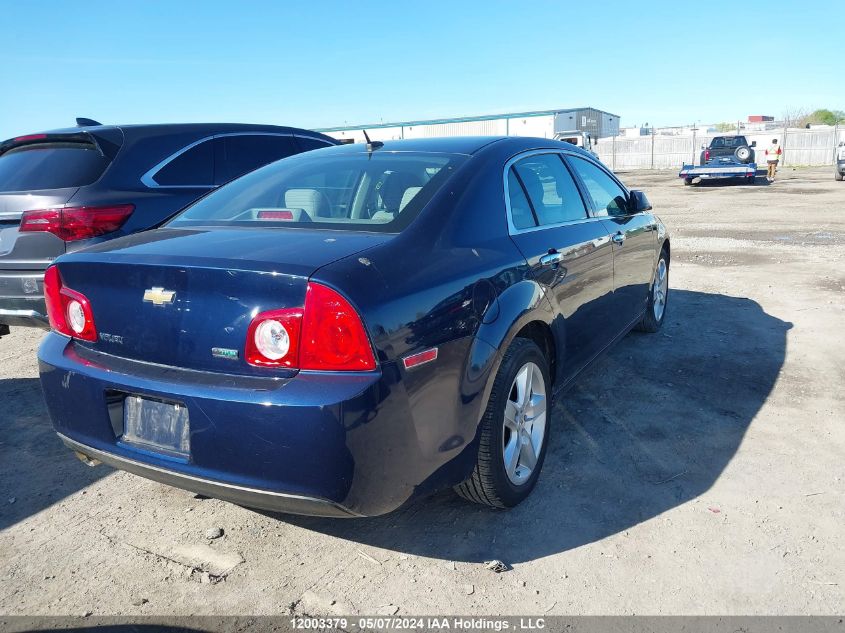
column 724, row 157
column 839, row 174
column 578, row 138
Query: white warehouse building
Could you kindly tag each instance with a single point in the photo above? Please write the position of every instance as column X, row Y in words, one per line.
column 539, row 123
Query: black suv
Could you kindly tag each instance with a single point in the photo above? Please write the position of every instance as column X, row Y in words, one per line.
column 734, row 147
column 63, row 190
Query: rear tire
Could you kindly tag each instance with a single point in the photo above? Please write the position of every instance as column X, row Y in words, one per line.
column 492, row 482
column 687, row 182
column 838, row 176
column 658, row 297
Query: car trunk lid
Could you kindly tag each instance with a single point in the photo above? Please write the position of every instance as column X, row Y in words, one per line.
column 185, row 298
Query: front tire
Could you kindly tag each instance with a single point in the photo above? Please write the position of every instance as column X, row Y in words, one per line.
column 658, row 297
column 514, row 430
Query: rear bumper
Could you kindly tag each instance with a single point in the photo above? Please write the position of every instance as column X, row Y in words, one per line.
column 241, row 495
column 318, row 443
column 22, row 299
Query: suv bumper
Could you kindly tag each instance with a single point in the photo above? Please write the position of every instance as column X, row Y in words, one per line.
column 22, row 299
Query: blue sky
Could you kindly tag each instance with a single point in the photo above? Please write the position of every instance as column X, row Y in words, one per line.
column 315, row 64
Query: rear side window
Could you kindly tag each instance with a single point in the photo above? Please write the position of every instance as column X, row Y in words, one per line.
column 521, row 214
column 608, row 197
column 307, row 144
column 553, row 194
column 192, row 168
column 51, row 166
column 236, row 155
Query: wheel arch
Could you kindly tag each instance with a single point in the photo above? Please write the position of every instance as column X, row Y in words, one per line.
column 524, row 310
column 666, row 246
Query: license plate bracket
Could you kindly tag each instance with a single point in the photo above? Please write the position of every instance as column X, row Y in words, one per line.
column 157, row 425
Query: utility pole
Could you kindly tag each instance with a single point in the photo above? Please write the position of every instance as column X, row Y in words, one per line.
column 694, row 129
column 783, row 145
column 613, row 148
column 652, row 148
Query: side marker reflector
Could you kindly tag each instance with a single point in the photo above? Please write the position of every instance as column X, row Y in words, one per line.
column 415, row 360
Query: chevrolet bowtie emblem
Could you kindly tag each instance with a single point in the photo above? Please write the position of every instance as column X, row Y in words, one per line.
column 159, row 296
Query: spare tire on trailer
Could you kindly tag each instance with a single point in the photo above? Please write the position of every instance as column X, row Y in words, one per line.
column 744, row 154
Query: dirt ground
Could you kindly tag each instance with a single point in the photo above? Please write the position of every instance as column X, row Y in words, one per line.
column 696, row 471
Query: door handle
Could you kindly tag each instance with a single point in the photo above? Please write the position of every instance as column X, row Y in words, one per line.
column 618, row 238
column 551, row 259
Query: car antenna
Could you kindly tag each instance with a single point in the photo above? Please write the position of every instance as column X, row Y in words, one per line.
column 371, row 145
column 83, row 122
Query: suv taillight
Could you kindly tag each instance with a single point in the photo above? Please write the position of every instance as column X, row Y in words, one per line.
column 706, row 155
column 325, row 335
column 76, row 223
column 69, row 311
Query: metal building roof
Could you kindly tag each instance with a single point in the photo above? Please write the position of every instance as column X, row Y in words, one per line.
column 483, row 117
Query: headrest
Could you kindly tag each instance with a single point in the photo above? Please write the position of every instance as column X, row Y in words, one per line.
column 311, row 201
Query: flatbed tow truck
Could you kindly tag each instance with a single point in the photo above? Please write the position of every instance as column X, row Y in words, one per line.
column 726, row 157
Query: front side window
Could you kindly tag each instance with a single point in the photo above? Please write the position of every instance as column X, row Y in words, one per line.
column 192, row 168
column 608, row 197
column 550, row 188
column 379, row 191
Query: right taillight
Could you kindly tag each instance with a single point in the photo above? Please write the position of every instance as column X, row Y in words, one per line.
column 69, row 311
column 706, row 155
column 327, row 334
column 76, row 223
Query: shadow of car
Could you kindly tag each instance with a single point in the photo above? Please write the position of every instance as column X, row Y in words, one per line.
column 650, row 427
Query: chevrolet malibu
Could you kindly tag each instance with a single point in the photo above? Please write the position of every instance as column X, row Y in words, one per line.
column 348, row 329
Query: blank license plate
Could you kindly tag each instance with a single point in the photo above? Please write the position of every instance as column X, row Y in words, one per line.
column 157, row 425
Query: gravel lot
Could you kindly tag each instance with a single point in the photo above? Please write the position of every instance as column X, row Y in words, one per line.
column 696, row 471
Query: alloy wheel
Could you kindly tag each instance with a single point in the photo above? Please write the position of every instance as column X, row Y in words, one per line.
column 524, row 423
column 660, row 289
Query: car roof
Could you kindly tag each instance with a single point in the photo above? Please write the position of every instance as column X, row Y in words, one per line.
column 460, row 145
column 141, row 129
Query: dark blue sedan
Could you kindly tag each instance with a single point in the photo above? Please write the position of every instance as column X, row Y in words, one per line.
column 347, row 329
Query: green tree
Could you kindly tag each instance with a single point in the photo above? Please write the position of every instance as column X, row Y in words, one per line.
column 726, row 127
column 824, row 116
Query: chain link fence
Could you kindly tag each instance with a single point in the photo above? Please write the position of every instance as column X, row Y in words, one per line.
column 800, row 146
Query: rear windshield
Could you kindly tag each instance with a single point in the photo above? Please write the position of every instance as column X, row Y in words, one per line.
column 728, row 141
column 50, row 166
column 382, row 191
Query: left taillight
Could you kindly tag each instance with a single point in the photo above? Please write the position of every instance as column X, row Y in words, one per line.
column 69, row 311
column 76, row 223
column 327, row 334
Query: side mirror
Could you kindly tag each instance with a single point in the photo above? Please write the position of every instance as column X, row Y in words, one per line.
column 638, row 203
column 753, row 143
column 703, row 146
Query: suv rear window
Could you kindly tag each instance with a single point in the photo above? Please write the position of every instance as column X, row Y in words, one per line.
column 50, row 166
column 728, row 141
column 382, row 191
